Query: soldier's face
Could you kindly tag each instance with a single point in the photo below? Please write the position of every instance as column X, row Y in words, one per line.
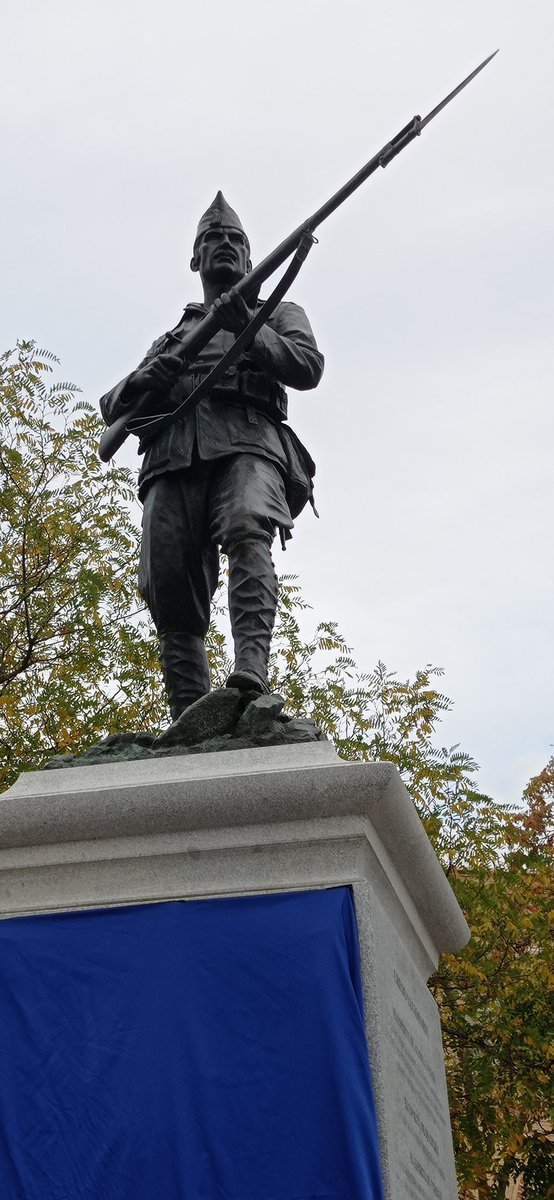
column 221, row 256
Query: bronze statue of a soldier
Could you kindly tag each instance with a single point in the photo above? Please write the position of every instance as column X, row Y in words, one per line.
column 220, row 468
column 228, row 474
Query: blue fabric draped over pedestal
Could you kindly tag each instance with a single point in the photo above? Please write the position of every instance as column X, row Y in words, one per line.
column 201, row 1050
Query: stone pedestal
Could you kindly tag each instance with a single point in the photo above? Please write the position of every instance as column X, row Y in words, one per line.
column 265, row 820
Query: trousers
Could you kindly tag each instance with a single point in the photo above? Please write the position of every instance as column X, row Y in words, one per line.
column 236, row 504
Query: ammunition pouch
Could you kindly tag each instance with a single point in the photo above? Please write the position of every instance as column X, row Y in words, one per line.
column 243, row 388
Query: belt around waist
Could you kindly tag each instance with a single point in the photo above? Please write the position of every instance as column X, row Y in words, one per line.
column 268, row 406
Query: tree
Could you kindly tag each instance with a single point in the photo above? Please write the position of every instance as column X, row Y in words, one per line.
column 496, row 1009
column 76, row 654
column 78, row 660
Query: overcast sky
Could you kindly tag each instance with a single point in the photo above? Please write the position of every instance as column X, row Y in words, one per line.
column 430, row 293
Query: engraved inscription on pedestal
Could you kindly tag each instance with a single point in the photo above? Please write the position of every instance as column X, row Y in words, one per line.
column 407, row 1061
column 419, row 1106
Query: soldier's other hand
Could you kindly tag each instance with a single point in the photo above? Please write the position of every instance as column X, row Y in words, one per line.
column 155, row 375
column 232, row 311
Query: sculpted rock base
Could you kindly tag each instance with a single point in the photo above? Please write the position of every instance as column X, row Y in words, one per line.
column 226, row 719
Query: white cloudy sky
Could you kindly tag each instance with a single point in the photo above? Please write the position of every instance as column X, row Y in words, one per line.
column 430, row 292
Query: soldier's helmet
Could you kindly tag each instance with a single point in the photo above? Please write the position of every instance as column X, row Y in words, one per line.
column 217, row 215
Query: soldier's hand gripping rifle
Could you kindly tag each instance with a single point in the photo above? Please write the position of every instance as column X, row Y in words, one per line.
column 185, row 350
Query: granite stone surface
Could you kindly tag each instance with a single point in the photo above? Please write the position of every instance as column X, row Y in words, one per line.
column 407, row 1061
column 260, row 819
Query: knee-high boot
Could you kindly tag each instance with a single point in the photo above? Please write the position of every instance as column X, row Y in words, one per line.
column 252, row 607
column 185, row 670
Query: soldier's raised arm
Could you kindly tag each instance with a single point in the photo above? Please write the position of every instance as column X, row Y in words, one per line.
column 285, row 346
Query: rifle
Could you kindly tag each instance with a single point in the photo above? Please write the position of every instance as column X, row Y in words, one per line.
column 299, row 241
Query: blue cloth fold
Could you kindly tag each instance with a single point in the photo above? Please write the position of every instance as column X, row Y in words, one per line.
column 204, row 1050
